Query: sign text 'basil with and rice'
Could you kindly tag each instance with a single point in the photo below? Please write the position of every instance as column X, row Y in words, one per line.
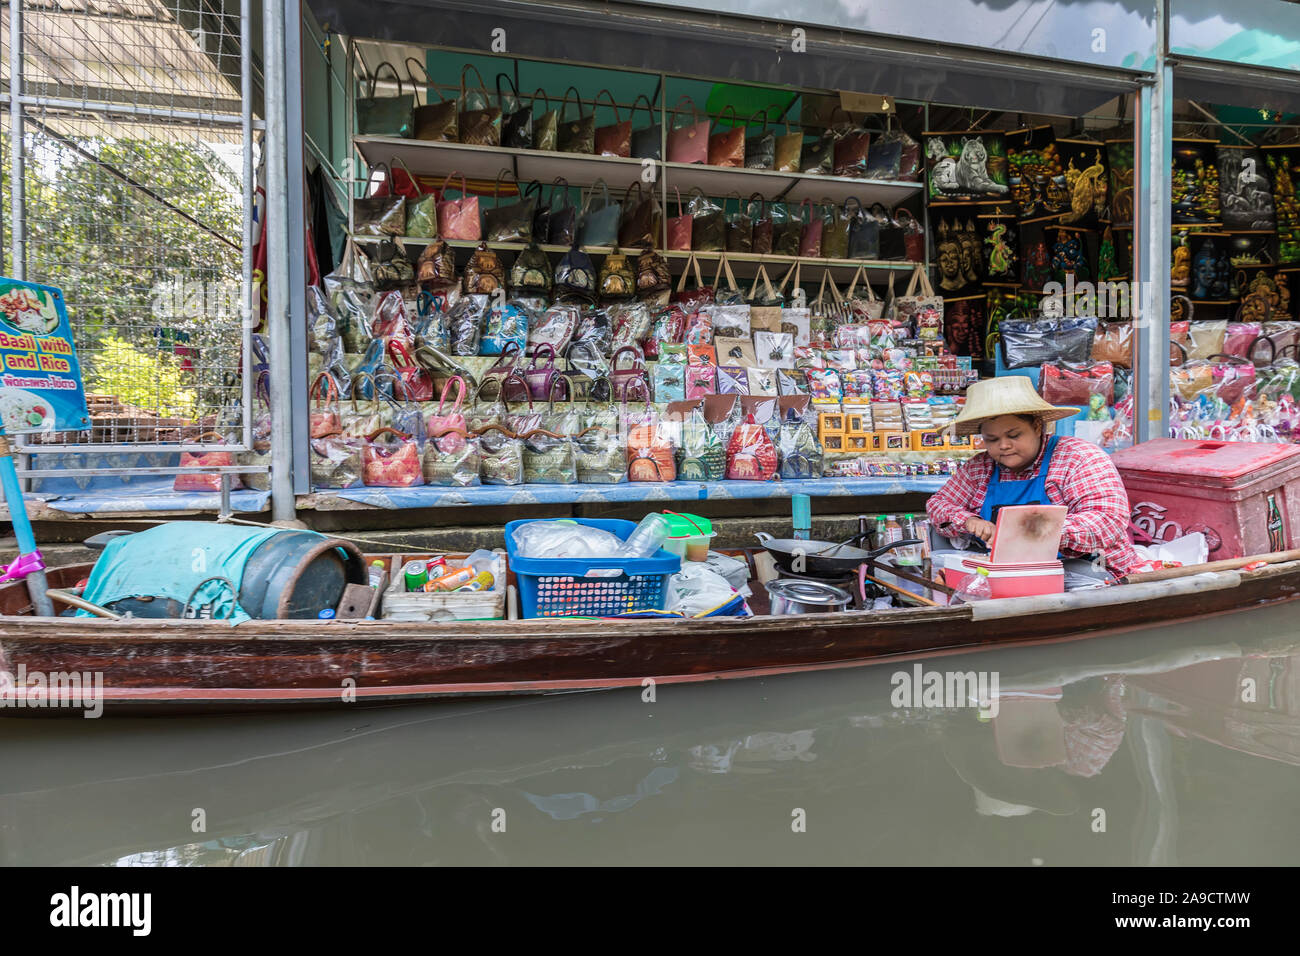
column 41, row 389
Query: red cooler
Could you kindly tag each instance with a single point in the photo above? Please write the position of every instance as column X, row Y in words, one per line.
column 1244, row 496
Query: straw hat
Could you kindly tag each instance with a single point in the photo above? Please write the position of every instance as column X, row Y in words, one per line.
column 1009, row 395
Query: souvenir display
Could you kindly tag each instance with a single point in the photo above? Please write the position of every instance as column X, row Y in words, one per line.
column 969, row 165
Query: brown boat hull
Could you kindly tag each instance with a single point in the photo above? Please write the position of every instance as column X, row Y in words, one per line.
column 167, row 665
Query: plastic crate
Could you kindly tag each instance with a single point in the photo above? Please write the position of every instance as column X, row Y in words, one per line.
column 605, row 587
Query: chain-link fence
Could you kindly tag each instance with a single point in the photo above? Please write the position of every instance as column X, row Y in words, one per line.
column 134, row 204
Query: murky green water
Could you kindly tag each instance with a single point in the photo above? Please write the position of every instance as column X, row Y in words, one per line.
column 1169, row 747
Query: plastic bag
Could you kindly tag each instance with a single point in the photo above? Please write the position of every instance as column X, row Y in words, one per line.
column 465, row 321
column 560, row 539
column 506, row 323
column 696, row 590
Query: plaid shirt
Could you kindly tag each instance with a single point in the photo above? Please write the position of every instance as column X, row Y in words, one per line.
column 1081, row 477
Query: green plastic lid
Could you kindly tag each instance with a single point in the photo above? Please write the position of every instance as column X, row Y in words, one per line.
column 688, row 526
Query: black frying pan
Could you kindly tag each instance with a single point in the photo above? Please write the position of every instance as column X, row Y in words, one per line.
column 833, row 559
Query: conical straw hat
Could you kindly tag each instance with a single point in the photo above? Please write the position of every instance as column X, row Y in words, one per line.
column 1009, row 395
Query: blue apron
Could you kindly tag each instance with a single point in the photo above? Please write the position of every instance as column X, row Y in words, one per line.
column 1033, row 491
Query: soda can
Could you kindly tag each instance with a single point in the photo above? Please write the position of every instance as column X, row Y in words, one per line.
column 416, row 575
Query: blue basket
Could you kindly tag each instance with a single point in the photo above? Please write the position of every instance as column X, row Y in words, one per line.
column 607, row 587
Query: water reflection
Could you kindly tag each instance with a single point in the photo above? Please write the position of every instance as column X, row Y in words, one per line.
column 1168, row 747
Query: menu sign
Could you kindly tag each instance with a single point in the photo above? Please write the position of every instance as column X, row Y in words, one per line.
column 40, row 379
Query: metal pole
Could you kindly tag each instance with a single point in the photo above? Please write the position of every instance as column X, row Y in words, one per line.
column 250, row 192
column 16, row 171
column 276, row 225
column 1153, row 132
column 28, row 563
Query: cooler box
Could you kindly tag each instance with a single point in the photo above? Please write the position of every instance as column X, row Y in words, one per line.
column 1243, row 496
column 1005, row 580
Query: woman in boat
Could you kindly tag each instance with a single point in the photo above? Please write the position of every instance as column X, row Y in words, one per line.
column 1022, row 465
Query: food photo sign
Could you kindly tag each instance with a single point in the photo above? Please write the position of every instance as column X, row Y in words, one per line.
column 40, row 382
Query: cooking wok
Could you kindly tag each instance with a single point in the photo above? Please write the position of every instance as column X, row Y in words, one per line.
column 824, row 557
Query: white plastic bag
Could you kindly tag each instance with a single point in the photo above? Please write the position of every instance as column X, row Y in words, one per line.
column 563, row 539
column 696, row 590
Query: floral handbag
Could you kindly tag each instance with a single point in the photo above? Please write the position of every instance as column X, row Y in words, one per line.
column 751, row 454
column 394, row 463
column 325, row 417
column 501, row 457
column 703, row 457
column 336, row 462
column 650, row 455
column 457, row 468
column 801, row 454
column 623, row 380
column 548, row 458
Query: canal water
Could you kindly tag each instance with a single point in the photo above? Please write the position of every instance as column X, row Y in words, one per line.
column 1176, row 746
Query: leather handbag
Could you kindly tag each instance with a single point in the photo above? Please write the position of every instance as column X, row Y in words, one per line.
column 541, row 379
column 562, row 220
column 689, row 143
column 617, row 280
column 679, row 227
column 380, row 215
column 421, row 210
column 787, row 231
column 892, row 240
column 818, row 157
column 386, row 115
column 434, row 122
column 760, row 218
column 436, row 267
column 625, row 381
column 598, row 225
column 810, row 234
column 546, row 126
column 512, row 222
column 575, row 274
column 458, row 218
column 484, row 273
column 852, row 145
column 760, row 149
column 615, row 139
column 517, row 124
column 576, row 135
column 727, row 148
column 647, row 143
column 864, row 231
column 740, row 227
column 642, row 220
column 913, row 235
column 531, row 272
column 482, row 126
column 708, row 226
column 835, row 231
column 788, row 156
column 652, row 273
column 391, row 464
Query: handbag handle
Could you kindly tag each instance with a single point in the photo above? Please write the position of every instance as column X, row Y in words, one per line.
column 649, row 108
column 532, row 100
column 420, row 190
column 460, row 394
column 537, row 350
column 464, row 187
column 596, row 101
column 564, row 103
column 591, row 194
column 464, row 96
column 404, row 436
column 331, row 389
column 679, row 202
column 735, row 119
column 695, row 113
column 511, row 351
column 398, row 350
column 514, row 90
column 636, row 362
column 724, row 269
column 374, row 79
column 796, row 271
column 699, row 279
column 857, row 202
column 428, row 81
column 387, row 181
column 550, row 199
column 496, row 187
column 761, row 274
column 627, row 195
column 840, row 130
column 904, row 211
column 627, row 390
column 762, row 205
column 221, row 439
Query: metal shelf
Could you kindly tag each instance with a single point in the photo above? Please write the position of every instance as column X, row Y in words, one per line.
column 790, row 187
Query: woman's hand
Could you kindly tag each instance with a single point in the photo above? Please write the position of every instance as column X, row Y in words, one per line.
column 981, row 529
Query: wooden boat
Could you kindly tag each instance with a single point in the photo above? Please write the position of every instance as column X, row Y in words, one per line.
column 166, row 666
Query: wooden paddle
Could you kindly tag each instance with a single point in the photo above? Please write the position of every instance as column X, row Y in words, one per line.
column 1228, row 564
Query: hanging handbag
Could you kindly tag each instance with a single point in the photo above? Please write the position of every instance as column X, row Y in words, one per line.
column 416, row 383
column 477, row 127
column 751, row 454
column 458, row 218
column 819, row 156
column 893, row 242
column 760, row 150
column 531, row 272
column 615, row 139
column 501, row 457
column 385, row 115
column 512, row 222
column 852, row 145
column 689, row 143
column 484, row 273
column 708, row 226
column 545, row 127
column 391, row 464
column 864, row 232
column 617, row 281
column 788, row 155
column 517, row 124
column 576, row 135
column 760, row 219
column 652, row 273
column 206, row 459
column 647, row 143
column 810, row 234
column 436, row 267
column 598, row 225
column 787, row 231
column 336, row 462
column 679, row 227
column 763, row 295
column 433, row 122
column 1114, row 343
column 913, row 235
column 739, row 226
column 575, row 274
column 421, row 211
column 727, row 148
column 1027, row 343
column 727, row 295
column 624, row 381
column 641, row 220
column 379, row 216
column 562, row 224
column 692, row 299
column 835, row 231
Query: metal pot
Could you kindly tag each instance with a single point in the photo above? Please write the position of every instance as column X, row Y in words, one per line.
column 789, row 596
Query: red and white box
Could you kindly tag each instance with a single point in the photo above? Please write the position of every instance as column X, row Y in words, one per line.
column 1006, row 580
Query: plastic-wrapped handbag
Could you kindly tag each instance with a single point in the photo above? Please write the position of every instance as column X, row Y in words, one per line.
column 575, row 274
column 421, row 209
column 548, row 458
column 576, row 135
column 393, row 462
column 851, row 149
column 641, row 219
column 450, row 420
column 458, row 468
column 801, row 455
column 336, row 461
column 542, row 380
column 680, row 227
column 436, row 267
column 506, row 323
column 512, row 222
column 546, row 126
column 416, row 383
column 458, row 218
column 531, row 272
column 484, row 273
column 325, row 417
column 760, row 149
column 501, row 457
column 652, row 273
column 703, row 457
column 626, row 381
column 650, row 454
column 751, row 453
column 206, row 459
column 708, row 224
column 600, row 455
column 617, row 280
column 466, row 321
column 383, row 214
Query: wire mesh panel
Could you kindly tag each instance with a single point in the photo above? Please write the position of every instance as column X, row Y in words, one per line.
column 135, row 205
